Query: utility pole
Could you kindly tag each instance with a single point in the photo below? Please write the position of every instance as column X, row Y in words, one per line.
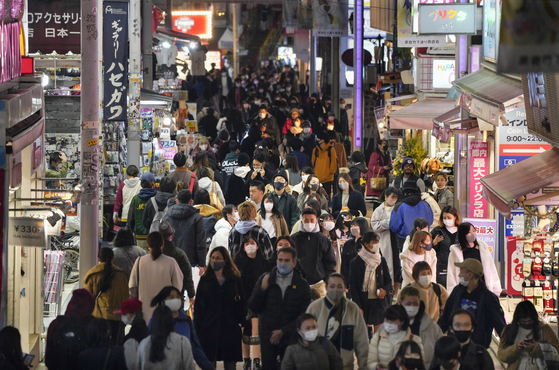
column 335, row 58
column 358, row 72
column 234, row 10
column 135, row 58
column 169, row 14
column 147, row 52
column 313, row 86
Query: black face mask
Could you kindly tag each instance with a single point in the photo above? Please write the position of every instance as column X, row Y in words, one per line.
column 412, row 363
column 462, row 335
column 347, row 223
column 447, row 364
column 384, row 147
column 527, row 327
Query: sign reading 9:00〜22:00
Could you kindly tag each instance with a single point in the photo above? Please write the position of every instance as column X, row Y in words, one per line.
column 523, row 138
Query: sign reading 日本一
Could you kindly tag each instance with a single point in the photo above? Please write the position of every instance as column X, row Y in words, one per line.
column 27, row 232
column 447, row 19
column 115, row 41
column 479, row 166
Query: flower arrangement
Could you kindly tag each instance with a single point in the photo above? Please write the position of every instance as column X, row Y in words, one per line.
column 410, row 148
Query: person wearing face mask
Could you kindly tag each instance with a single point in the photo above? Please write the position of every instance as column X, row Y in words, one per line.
column 312, row 186
column 248, row 226
column 469, row 247
column 296, row 145
column 287, row 205
column 131, row 314
column 359, row 226
column 220, row 310
column 448, row 353
column 260, row 170
column 308, row 139
column 347, row 198
column 420, row 249
column 472, row 295
column 408, row 357
column 311, row 351
column 236, row 95
column 316, row 254
column 433, row 295
column 387, row 340
column 293, row 123
column 56, row 168
column 380, row 224
column 369, row 279
column 357, row 169
column 251, row 265
column 172, row 298
column 271, row 218
column 526, row 338
column 443, row 196
column 335, row 142
column 279, row 298
column 223, row 227
column 380, row 165
column 444, row 235
column 325, row 161
column 327, row 227
column 265, row 119
column 421, row 323
column 340, row 321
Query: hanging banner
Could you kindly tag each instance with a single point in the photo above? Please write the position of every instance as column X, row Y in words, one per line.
column 528, row 39
column 305, row 15
column 330, row 18
column 479, row 167
column 54, row 25
column 290, row 9
column 115, row 46
column 406, row 37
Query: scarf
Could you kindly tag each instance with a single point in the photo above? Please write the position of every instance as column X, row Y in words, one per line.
column 296, row 130
column 372, row 260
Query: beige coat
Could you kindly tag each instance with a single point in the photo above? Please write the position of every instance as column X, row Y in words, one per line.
column 110, row 300
column 280, row 226
column 511, row 355
column 382, row 351
column 429, row 297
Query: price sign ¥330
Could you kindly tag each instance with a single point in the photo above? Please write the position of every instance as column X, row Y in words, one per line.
column 27, row 232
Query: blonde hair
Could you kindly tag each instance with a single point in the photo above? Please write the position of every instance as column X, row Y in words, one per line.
column 247, row 211
column 203, row 139
column 408, row 291
column 418, row 237
column 180, row 186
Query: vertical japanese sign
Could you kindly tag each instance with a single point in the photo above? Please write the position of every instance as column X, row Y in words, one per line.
column 329, row 18
column 115, row 47
column 479, row 165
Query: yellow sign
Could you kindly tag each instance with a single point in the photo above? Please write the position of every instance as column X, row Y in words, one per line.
column 93, row 142
column 192, row 126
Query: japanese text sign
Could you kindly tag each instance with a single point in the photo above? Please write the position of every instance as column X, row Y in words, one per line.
column 330, row 18
column 115, row 41
column 54, row 25
column 407, row 26
column 197, row 23
column 479, row 165
column 447, row 19
column 485, row 231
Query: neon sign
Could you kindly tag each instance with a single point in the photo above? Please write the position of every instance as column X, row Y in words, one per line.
column 447, row 18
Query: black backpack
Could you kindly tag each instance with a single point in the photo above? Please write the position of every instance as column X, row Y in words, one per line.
column 437, row 290
column 69, row 339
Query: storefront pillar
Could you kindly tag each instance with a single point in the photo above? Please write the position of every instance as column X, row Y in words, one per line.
column 461, row 178
column 134, row 128
column 335, row 60
column 313, row 81
column 147, row 51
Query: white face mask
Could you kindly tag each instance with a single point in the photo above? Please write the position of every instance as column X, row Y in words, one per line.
column 354, row 231
column 262, row 115
column 424, row 280
column 235, row 216
column 174, row 304
column 390, row 328
column 251, row 248
column 309, row 227
column 268, row 206
column 449, row 223
column 304, row 178
column 375, row 248
column 203, row 147
column 463, row 281
column 310, row 335
column 390, row 202
column 328, row 225
column 343, row 185
column 306, row 130
column 124, row 318
column 412, row 310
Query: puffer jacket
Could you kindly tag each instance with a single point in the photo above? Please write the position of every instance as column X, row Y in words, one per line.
column 317, row 355
column 382, row 351
column 408, row 262
column 325, row 162
column 277, row 311
column 315, row 253
column 429, row 332
column 353, row 338
column 221, row 237
column 109, row 301
column 190, row 234
column 406, row 211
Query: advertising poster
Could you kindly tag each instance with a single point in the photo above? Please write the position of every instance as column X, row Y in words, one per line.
column 485, row 232
column 304, row 14
column 479, row 167
column 406, row 37
column 54, row 25
column 330, row 18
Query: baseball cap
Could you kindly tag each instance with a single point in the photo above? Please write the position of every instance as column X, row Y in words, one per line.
column 147, row 176
column 471, row 265
column 130, row 305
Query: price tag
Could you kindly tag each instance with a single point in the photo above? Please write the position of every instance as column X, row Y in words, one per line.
column 27, row 232
column 192, row 126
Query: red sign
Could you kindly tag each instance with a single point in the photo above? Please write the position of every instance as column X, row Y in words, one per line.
column 513, row 273
column 198, row 23
column 522, row 150
column 479, row 167
column 10, row 51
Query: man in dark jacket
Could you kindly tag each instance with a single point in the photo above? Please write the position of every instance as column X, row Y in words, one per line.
column 279, row 298
column 286, row 203
column 190, row 235
column 473, row 296
column 166, row 190
column 137, row 209
column 230, row 163
column 408, row 166
column 268, row 125
column 208, row 125
column 304, row 160
column 316, row 255
column 237, row 191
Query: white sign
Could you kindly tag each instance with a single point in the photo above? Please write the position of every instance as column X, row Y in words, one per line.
column 27, row 232
column 213, row 56
column 443, row 73
column 165, row 133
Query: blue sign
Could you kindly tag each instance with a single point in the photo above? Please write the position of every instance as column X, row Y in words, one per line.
column 515, row 226
column 507, row 161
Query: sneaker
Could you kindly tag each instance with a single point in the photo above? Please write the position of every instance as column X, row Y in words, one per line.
column 247, row 364
column 256, row 364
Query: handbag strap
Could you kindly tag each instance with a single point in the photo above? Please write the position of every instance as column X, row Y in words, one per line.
column 380, row 169
column 107, row 360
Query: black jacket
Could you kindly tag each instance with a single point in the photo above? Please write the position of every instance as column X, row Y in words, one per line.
column 489, row 313
column 251, row 269
column 355, row 203
column 237, row 191
column 94, row 358
column 161, row 199
column 355, row 174
column 474, row 357
column 443, row 251
column 277, row 312
column 356, row 276
column 190, row 232
column 315, row 254
column 349, row 252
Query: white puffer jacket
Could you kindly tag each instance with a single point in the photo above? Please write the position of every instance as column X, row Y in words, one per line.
column 221, row 237
column 382, row 351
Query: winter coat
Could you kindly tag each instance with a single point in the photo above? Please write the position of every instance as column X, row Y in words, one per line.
column 246, row 228
column 237, row 191
column 211, row 186
column 325, row 163
column 512, row 356
column 355, row 203
column 380, row 221
column 276, row 311
column 251, row 269
column 444, row 197
column 132, row 341
column 429, row 332
column 178, row 354
column 105, row 357
column 190, row 232
column 315, row 254
column 221, row 237
column 376, row 162
column 355, row 172
column 185, row 175
column 280, row 226
column 228, row 166
column 434, row 207
column 161, row 199
column 287, row 205
column 218, row 317
column 303, row 158
column 382, row 351
column 443, row 251
column 341, row 155
column 406, row 211
column 210, row 216
column 171, row 250
column 126, row 191
column 110, row 300
column 408, row 262
column 126, row 256
column 398, row 182
column 357, row 269
column 317, row 355
column 433, row 306
column 490, row 274
column 348, row 253
column 272, row 128
column 489, row 313
column 136, row 213
column 353, row 339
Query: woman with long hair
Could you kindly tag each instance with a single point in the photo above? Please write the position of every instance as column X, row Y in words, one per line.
column 292, row 168
column 271, row 219
column 358, row 167
column 11, row 356
column 468, row 246
column 172, row 298
column 109, row 285
column 420, row 249
column 444, row 236
column 524, row 340
column 100, row 354
column 220, row 310
column 408, row 357
column 126, row 251
column 443, row 196
column 206, row 182
column 359, row 226
column 164, row 349
column 312, row 186
column 347, row 198
column 380, row 165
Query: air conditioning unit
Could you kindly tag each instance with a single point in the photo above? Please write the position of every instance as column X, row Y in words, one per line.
column 541, row 93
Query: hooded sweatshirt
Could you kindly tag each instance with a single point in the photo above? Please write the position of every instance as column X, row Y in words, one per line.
column 136, row 212
column 127, row 190
column 221, row 237
column 237, row 191
column 406, row 211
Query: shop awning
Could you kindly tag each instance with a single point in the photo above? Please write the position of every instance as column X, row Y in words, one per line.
column 420, row 115
column 488, row 94
column 503, row 187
